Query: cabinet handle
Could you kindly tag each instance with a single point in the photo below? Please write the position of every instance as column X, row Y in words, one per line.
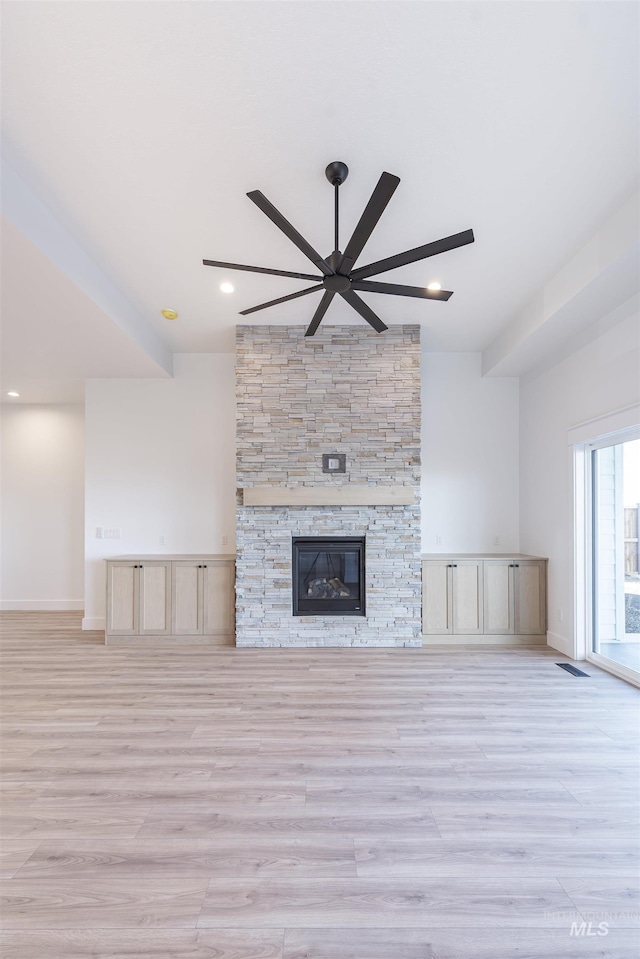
column 517, row 565
column 455, row 565
column 205, row 566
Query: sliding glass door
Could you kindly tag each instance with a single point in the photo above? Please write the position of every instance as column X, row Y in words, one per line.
column 615, row 488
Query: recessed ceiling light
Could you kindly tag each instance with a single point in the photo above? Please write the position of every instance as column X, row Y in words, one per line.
column 12, row 393
column 434, row 286
column 227, row 287
column 170, row 314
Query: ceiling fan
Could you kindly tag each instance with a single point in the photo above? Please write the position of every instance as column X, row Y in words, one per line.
column 338, row 273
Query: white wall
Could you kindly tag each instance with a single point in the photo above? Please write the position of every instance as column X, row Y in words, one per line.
column 601, row 376
column 160, row 462
column 42, row 508
column 469, row 456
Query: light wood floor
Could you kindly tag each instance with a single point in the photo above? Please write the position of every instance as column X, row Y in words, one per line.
column 326, row 804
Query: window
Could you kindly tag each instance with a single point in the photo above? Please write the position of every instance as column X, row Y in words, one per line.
column 615, row 589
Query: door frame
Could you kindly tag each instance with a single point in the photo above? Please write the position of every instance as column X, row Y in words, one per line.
column 608, row 430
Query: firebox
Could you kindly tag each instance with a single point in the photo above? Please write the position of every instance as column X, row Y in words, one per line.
column 328, row 576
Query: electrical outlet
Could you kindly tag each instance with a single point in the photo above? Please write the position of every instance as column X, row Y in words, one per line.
column 496, row 540
column 224, row 540
column 112, row 533
column 161, row 541
column 438, row 540
column 99, row 532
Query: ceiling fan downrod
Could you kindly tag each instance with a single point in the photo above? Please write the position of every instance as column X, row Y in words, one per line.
column 336, row 173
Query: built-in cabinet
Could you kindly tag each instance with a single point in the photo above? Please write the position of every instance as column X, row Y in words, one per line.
column 488, row 598
column 452, row 597
column 188, row 599
column 138, row 598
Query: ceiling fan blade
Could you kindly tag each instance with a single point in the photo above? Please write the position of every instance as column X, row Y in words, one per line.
column 365, row 311
column 323, row 306
column 261, row 269
column 419, row 253
column 276, row 217
column 384, row 190
column 370, row 286
column 281, row 299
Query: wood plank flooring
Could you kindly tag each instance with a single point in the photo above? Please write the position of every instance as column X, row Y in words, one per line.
column 458, row 803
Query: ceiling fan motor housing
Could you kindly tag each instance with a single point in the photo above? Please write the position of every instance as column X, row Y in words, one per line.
column 337, row 283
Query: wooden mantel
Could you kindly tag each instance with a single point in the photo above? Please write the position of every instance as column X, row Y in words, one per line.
column 348, row 494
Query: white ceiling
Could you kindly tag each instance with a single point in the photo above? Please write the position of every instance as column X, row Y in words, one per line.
column 53, row 335
column 141, row 126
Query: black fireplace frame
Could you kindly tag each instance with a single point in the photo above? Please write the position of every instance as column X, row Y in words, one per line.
column 318, row 607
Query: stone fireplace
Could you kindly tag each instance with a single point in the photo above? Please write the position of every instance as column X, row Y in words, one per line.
column 348, row 397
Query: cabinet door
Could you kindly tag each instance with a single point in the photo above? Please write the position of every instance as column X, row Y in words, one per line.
column 467, row 597
column 436, row 597
column 219, row 598
column 155, row 599
column 122, row 599
column 499, row 610
column 530, row 597
column 187, row 603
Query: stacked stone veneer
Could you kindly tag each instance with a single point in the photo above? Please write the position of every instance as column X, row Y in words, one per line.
column 345, row 390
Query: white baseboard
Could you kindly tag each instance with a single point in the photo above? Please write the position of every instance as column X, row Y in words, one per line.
column 562, row 644
column 94, row 622
column 44, row 605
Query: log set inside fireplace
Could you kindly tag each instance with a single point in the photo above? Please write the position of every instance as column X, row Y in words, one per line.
column 328, row 576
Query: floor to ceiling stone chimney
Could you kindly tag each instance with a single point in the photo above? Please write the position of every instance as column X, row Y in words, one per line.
column 300, row 403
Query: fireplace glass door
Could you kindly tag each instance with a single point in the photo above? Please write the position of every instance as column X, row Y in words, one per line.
column 328, row 576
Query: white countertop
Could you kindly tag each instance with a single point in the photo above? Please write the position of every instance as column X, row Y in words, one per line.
column 169, row 557
column 463, row 556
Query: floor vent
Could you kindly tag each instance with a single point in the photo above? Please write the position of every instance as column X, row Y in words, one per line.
column 572, row 669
